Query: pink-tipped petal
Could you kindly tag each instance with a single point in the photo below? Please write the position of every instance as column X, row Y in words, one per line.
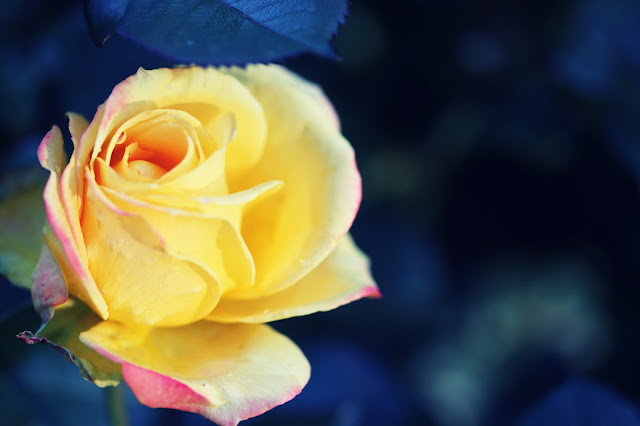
column 226, row 373
column 71, row 186
column 63, row 246
column 157, row 391
column 51, row 151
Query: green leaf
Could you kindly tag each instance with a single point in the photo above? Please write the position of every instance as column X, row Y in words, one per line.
column 21, row 220
column 221, row 31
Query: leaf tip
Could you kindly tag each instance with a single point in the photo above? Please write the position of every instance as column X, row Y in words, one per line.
column 104, row 18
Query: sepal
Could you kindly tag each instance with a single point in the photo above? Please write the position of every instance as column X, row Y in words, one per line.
column 48, row 289
column 61, row 333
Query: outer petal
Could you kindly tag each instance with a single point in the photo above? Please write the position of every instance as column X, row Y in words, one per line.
column 83, row 148
column 72, row 189
column 291, row 233
column 79, row 279
column 70, row 184
column 342, row 278
column 227, row 373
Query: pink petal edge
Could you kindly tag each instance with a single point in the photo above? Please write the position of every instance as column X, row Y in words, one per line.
column 54, row 210
column 62, row 229
column 46, row 152
column 371, row 291
column 56, row 214
column 156, row 390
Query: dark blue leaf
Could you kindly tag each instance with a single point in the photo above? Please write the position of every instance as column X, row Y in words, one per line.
column 104, row 17
column 582, row 403
column 223, row 31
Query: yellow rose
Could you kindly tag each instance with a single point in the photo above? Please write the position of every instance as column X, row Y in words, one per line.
column 197, row 204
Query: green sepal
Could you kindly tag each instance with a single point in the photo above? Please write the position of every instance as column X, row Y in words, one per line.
column 62, row 332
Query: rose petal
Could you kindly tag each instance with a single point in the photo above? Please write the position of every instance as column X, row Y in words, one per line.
column 202, row 180
column 225, row 206
column 141, row 280
column 71, row 202
column 51, row 151
column 205, row 93
column 208, row 177
column 77, row 126
column 341, row 278
column 135, row 165
column 78, row 278
column 276, row 75
column 72, row 184
column 211, row 239
column 227, row 373
column 291, row 233
column 171, row 139
column 71, row 180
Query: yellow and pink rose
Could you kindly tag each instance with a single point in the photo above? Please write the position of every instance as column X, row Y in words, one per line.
column 199, row 204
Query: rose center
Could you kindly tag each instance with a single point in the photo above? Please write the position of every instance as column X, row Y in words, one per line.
column 150, row 150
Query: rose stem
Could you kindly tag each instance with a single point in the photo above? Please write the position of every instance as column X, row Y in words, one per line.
column 114, row 400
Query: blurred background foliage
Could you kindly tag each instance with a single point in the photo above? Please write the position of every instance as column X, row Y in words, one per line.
column 499, row 144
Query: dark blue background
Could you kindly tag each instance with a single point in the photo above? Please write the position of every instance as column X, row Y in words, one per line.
column 499, row 144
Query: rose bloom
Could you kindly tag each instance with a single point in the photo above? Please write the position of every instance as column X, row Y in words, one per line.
column 198, row 204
